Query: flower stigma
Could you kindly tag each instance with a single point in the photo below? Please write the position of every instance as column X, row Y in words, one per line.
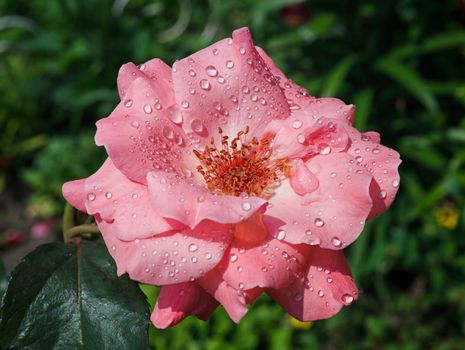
column 241, row 167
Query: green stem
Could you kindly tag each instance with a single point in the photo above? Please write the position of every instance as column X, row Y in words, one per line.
column 68, row 218
column 78, row 231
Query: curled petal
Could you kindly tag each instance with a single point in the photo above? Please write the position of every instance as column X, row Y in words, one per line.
column 333, row 215
column 74, row 193
column 227, row 85
column 295, row 94
column 302, row 179
column 301, row 136
column 382, row 162
column 155, row 72
column 139, row 136
column 177, row 301
column 325, row 289
column 177, row 198
column 169, row 258
column 123, row 203
column 233, row 300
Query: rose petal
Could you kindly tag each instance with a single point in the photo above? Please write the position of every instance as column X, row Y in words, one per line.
column 382, row 162
column 74, row 193
column 295, row 94
column 140, row 138
column 169, row 258
column 156, row 72
column 233, row 301
column 178, row 198
column 333, row 215
column 177, row 301
column 301, row 136
column 302, row 179
column 272, row 264
column 326, row 288
column 122, row 202
column 227, row 85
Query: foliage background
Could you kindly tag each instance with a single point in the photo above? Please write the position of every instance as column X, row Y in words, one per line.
column 401, row 62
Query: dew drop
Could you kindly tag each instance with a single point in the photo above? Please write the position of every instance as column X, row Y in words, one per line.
column 185, row 104
column 193, row 247
column 246, row 206
column 336, row 241
column 128, row 103
column 174, row 115
column 91, row 196
column 197, row 126
column 192, row 73
column 395, row 183
column 347, row 299
column 319, row 222
column 298, row 297
column 147, row 109
column 321, row 293
column 108, row 195
column 242, row 51
column 229, row 64
column 233, row 258
column 211, row 71
column 204, row 84
column 208, row 256
column 297, row 124
column 281, row 235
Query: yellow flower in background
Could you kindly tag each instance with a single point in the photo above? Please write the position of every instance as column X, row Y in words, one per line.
column 447, row 215
column 304, row 326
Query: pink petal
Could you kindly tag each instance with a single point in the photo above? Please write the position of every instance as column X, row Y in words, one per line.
column 326, row 288
column 122, row 202
column 303, row 134
column 154, row 71
column 382, row 162
column 177, row 301
column 227, row 85
column 139, row 136
column 75, row 194
column 333, row 215
column 295, row 94
column 272, row 264
column 170, row 258
column 233, row 300
column 302, row 179
column 178, row 198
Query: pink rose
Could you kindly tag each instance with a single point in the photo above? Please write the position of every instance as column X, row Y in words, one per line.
column 225, row 180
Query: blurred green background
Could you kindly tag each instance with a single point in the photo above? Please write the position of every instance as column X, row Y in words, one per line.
column 402, row 62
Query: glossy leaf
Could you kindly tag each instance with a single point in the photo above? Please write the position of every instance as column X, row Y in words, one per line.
column 68, row 297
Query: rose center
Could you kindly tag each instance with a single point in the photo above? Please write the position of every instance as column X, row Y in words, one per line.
column 240, row 166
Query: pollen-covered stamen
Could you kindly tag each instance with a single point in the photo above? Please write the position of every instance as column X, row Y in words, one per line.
column 239, row 166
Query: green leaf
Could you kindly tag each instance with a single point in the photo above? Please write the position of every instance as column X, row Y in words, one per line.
column 410, row 80
column 336, row 76
column 68, row 297
column 363, row 101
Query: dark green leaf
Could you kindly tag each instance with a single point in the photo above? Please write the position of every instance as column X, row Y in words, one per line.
column 68, row 297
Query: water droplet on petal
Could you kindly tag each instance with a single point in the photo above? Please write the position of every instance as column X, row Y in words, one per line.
column 204, row 84
column 91, row 196
column 298, row 297
column 193, row 247
column 174, row 115
column 242, row 51
column 281, row 235
column 108, row 195
column 128, row 103
column 297, row 124
column 246, row 206
column 319, row 222
column 185, row 104
column 395, row 183
column 233, row 258
column 197, row 126
column 229, row 64
column 147, row 109
column 211, row 71
column 336, row 241
column 208, row 256
column 321, row 293
column 347, row 299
